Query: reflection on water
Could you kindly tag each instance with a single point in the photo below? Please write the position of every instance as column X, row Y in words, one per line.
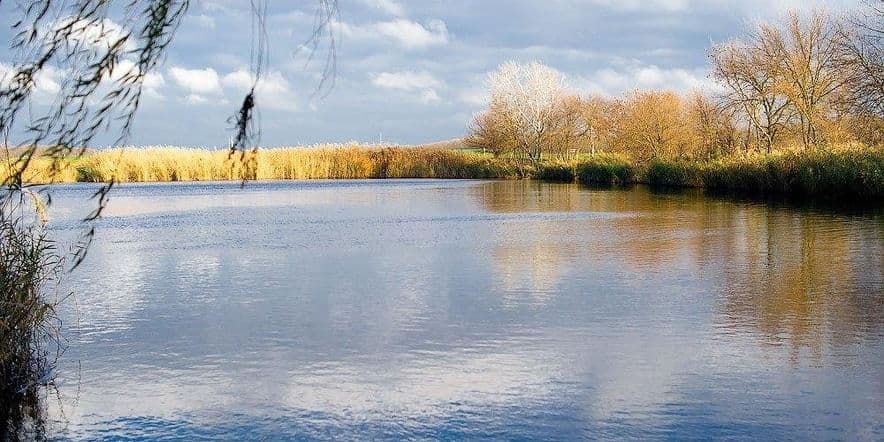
column 469, row 309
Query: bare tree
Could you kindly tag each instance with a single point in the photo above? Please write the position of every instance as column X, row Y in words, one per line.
column 528, row 96
column 750, row 77
column 806, row 52
column 603, row 117
column 861, row 43
column 570, row 130
column 492, row 132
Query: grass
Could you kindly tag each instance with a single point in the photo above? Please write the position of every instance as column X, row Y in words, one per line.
column 599, row 168
column 853, row 173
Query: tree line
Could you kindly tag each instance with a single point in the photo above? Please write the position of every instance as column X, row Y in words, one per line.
column 805, row 82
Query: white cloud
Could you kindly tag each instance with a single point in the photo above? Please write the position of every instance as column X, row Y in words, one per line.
column 47, row 83
column 612, row 82
column 474, row 97
column 154, row 80
column 387, row 6
column 195, row 99
column 197, row 81
column 408, row 34
column 205, row 21
column 272, row 91
column 633, row 5
column 430, row 96
column 414, row 35
column 406, row 80
column 241, row 80
column 152, row 83
column 409, row 81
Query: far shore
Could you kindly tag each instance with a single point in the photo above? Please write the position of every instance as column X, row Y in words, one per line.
column 851, row 173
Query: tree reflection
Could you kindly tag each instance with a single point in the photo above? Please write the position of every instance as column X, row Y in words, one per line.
column 808, row 280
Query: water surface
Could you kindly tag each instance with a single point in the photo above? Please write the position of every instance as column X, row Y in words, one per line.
column 468, row 309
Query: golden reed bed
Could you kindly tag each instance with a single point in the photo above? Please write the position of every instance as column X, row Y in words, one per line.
column 189, row 164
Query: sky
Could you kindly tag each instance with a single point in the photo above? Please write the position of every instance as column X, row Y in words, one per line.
column 414, row 71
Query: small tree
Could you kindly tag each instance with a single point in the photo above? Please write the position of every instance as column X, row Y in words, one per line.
column 603, row 117
column 654, row 124
column 570, row 130
column 492, row 132
column 713, row 126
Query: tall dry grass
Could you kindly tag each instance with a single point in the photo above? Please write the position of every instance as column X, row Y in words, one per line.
column 187, row 164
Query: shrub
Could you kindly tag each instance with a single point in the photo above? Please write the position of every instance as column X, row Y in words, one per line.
column 674, row 173
column 606, row 169
column 560, row 172
column 851, row 174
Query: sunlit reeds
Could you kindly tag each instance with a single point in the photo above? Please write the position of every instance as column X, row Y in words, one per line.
column 188, row 164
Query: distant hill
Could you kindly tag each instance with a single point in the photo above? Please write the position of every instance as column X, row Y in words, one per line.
column 454, row 143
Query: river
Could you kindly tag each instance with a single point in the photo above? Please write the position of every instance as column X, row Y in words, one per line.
column 431, row 309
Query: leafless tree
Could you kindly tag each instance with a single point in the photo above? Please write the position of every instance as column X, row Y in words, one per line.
column 528, row 96
column 806, row 52
column 861, row 40
column 750, row 78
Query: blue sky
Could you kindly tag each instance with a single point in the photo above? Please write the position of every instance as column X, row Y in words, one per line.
column 414, row 71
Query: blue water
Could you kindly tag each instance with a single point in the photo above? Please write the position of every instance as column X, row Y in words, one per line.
column 468, row 310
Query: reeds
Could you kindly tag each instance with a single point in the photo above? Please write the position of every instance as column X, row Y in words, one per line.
column 28, row 328
column 349, row 162
column 595, row 169
column 848, row 173
column 605, row 169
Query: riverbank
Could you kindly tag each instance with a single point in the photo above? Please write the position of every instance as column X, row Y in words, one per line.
column 846, row 174
column 851, row 174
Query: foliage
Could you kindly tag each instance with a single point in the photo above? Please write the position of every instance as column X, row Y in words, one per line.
column 807, row 76
column 525, row 99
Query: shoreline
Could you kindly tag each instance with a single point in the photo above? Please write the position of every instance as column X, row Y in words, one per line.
column 855, row 175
